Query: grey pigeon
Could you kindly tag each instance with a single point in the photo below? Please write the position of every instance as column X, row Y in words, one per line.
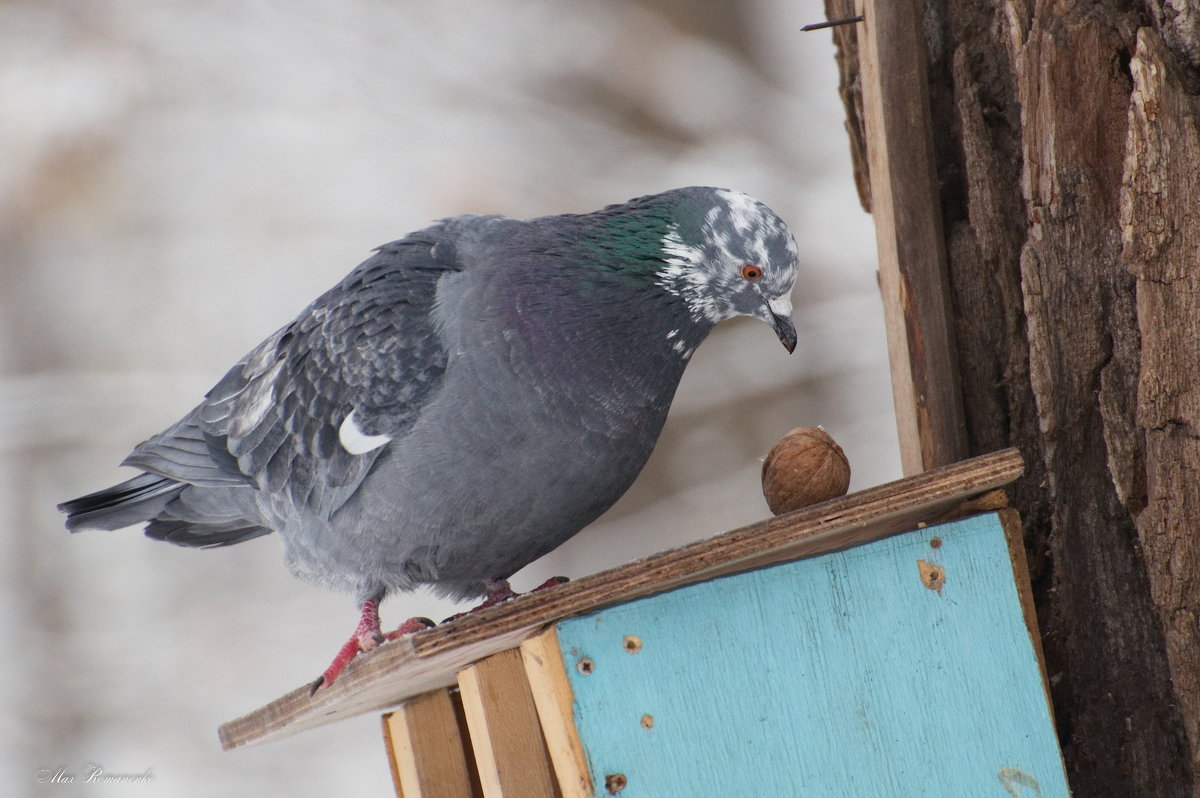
column 464, row 401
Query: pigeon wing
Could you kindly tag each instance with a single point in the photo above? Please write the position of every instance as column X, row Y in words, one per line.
column 308, row 411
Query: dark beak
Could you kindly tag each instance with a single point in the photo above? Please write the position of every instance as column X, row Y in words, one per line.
column 786, row 331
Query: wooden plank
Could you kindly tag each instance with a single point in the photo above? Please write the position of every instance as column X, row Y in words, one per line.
column 1014, row 534
column 460, row 716
column 413, row 665
column 906, row 207
column 553, row 698
column 506, row 734
column 846, row 675
column 427, row 754
column 390, row 742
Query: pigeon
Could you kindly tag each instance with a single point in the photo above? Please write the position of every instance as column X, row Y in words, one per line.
column 463, row 402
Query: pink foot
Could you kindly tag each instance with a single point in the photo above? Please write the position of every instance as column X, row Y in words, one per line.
column 409, row 627
column 366, row 637
column 499, row 591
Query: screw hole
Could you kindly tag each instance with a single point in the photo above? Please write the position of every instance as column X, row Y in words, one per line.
column 615, row 782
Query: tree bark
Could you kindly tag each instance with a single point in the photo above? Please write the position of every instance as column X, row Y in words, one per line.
column 1068, row 154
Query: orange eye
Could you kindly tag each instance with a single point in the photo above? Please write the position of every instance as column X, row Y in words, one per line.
column 751, row 272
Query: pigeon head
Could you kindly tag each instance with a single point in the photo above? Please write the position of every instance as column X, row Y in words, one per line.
column 725, row 254
column 717, row 253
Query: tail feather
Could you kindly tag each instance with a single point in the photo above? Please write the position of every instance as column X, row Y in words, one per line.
column 174, row 511
column 132, row 502
column 203, row 536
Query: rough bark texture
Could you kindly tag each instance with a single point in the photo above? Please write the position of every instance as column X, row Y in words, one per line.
column 1068, row 153
column 1160, row 196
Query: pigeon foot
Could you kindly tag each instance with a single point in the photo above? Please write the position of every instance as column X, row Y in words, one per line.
column 499, row 591
column 367, row 635
column 409, row 627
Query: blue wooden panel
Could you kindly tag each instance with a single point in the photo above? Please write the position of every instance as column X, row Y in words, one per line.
column 842, row 675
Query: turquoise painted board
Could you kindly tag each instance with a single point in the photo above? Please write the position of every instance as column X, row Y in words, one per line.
column 842, row 675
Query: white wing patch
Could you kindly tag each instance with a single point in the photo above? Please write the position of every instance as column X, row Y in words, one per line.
column 355, row 441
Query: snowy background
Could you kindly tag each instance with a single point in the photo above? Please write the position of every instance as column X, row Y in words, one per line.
column 178, row 179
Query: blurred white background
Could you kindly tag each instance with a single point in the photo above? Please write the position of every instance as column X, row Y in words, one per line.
column 178, row 179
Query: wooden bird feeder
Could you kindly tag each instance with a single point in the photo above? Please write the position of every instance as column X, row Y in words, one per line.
column 876, row 644
column 881, row 643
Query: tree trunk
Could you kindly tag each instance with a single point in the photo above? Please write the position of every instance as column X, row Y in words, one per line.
column 1068, row 155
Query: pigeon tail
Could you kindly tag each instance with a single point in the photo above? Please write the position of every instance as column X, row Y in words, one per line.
column 166, row 507
column 132, row 502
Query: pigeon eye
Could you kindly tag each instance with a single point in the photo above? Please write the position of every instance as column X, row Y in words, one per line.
column 751, row 272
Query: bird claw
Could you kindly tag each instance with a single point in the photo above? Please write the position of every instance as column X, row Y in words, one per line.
column 499, row 591
column 347, row 652
column 409, row 627
column 366, row 636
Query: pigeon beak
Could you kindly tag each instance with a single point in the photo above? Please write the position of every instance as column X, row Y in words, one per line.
column 780, row 311
column 786, row 331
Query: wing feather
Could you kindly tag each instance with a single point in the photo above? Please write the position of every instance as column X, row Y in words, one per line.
column 369, row 346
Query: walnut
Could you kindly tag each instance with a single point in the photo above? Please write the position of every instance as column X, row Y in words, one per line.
column 805, row 467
